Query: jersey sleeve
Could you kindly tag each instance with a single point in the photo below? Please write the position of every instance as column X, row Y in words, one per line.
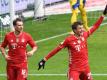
column 57, row 49
column 5, row 42
column 31, row 42
column 94, row 27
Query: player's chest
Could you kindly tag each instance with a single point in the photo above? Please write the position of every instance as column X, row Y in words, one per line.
column 78, row 44
column 17, row 41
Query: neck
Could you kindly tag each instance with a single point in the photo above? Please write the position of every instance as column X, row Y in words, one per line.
column 77, row 35
column 17, row 33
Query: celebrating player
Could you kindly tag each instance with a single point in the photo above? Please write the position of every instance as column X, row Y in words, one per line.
column 78, row 52
column 75, row 5
column 17, row 67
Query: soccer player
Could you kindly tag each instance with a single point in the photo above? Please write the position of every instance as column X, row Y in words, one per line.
column 78, row 52
column 79, row 5
column 17, row 66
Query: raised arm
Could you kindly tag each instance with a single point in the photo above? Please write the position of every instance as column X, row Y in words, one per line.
column 98, row 22
column 96, row 25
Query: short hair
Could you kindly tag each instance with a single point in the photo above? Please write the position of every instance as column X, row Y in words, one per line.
column 75, row 25
column 15, row 21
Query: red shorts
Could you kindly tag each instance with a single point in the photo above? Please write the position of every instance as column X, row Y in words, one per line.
column 17, row 72
column 82, row 75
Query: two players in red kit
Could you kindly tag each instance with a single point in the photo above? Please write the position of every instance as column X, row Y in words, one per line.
column 17, row 67
column 78, row 53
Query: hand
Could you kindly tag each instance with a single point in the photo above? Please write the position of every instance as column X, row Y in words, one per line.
column 29, row 54
column 7, row 58
column 41, row 64
column 105, row 10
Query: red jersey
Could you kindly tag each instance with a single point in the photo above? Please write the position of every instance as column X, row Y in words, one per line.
column 78, row 52
column 77, row 48
column 17, row 46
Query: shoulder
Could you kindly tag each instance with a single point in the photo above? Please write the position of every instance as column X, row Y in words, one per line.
column 26, row 34
column 9, row 33
column 67, row 40
column 86, row 34
column 71, row 37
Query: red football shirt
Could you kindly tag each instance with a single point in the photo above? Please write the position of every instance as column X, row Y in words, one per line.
column 78, row 52
column 77, row 48
column 17, row 46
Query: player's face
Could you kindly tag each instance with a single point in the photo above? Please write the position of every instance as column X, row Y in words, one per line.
column 79, row 31
column 19, row 26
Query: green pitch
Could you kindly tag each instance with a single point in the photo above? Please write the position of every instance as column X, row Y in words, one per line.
column 54, row 26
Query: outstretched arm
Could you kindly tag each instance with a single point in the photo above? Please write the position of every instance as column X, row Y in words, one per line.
column 98, row 22
column 50, row 54
column 53, row 52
